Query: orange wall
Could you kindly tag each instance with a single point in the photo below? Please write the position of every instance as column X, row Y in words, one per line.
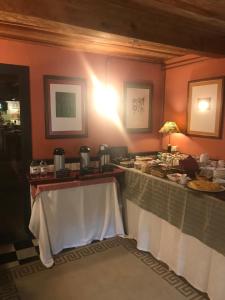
column 57, row 61
column 176, row 87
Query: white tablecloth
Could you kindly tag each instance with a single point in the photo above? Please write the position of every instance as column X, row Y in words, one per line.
column 73, row 217
column 202, row 266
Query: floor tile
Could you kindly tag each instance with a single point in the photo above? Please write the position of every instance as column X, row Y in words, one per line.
column 6, row 248
column 8, row 257
column 28, row 260
column 25, row 253
column 23, row 244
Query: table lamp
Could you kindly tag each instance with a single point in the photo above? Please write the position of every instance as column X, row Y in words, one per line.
column 169, row 127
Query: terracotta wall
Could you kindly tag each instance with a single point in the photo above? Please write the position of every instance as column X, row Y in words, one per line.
column 176, row 87
column 57, row 61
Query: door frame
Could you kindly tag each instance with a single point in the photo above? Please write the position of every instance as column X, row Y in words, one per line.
column 23, row 74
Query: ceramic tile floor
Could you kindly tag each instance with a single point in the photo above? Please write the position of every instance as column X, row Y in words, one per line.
column 18, row 253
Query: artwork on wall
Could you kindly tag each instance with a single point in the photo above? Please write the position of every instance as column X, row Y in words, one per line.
column 205, row 107
column 137, row 107
column 65, row 107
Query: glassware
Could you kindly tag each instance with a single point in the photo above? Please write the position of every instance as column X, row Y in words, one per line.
column 34, row 169
column 43, row 168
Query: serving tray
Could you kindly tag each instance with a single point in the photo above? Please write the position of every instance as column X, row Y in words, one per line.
column 221, row 189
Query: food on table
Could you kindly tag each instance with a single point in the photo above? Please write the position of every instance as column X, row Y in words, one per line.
column 201, row 177
column 174, row 177
column 189, row 165
column 127, row 164
column 203, row 185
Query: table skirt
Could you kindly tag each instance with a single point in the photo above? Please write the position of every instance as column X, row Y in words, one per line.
column 74, row 217
column 202, row 266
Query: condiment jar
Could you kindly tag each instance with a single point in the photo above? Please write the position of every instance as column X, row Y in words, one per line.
column 34, row 168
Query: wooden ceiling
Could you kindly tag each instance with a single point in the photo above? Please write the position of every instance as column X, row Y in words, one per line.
column 153, row 30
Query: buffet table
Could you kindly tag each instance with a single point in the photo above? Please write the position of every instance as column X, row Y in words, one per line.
column 183, row 228
column 74, row 213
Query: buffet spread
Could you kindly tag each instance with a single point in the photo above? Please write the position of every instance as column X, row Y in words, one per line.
column 197, row 173
column 180, row 220
column 173, row 203
column 194, row 213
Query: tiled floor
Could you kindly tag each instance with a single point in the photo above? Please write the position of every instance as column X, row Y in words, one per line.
column 18, row 253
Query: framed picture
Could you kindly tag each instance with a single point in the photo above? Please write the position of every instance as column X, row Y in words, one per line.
column 137, row 107
column 205, row 107
column 65, row 107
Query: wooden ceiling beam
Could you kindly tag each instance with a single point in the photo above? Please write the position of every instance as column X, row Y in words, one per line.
column 147, row 29
column 35, row 29
column 125, row 18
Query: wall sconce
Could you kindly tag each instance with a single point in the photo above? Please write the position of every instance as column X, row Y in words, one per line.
column 169, row 127
column 204, row 104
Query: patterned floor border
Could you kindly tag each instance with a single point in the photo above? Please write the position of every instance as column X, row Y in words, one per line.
column 8, row 290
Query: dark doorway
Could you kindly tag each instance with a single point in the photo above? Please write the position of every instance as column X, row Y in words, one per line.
column 15, row 152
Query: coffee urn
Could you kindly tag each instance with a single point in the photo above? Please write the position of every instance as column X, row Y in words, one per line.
column 104, row 157
column 84, row 158
column 59, row 159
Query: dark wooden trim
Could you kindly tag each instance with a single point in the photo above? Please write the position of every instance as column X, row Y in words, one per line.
column 183, row 61
column 124, row 28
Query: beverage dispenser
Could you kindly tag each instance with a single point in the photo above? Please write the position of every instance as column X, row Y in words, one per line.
column 59, row 159
column 84, row 159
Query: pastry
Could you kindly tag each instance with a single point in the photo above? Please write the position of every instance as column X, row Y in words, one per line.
column 203, row 185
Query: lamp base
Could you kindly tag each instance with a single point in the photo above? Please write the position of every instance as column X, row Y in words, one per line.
column 169, row 147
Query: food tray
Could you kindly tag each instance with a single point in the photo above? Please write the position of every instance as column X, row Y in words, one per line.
column 203, row 187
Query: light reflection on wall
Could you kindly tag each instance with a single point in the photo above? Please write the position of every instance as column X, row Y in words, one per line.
column 106, row 101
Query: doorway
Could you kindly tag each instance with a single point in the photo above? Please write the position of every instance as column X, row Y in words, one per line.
column 15, row 152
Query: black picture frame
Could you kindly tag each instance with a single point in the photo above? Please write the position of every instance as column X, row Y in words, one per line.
column 65, row 107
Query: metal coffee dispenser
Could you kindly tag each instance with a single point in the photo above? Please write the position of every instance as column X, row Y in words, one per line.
column 104, row 158
column 84, row 159
column 59, row 159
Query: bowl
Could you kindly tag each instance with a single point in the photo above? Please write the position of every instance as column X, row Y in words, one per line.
column 175, row 177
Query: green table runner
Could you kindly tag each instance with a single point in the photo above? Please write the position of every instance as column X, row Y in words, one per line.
column 195, row 213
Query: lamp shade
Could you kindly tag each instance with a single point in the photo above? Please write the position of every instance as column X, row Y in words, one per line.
column 169, row 127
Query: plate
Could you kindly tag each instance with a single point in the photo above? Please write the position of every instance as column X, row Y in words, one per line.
column 202, row 189
column 175, row 177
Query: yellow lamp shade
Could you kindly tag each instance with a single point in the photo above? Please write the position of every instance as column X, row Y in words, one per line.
column 169, row 127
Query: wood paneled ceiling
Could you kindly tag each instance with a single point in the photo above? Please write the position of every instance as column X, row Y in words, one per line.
column 153, row 30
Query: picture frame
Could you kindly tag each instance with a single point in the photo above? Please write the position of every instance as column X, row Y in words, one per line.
column 205, row 107
column 65, row 107
column 137, row 106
